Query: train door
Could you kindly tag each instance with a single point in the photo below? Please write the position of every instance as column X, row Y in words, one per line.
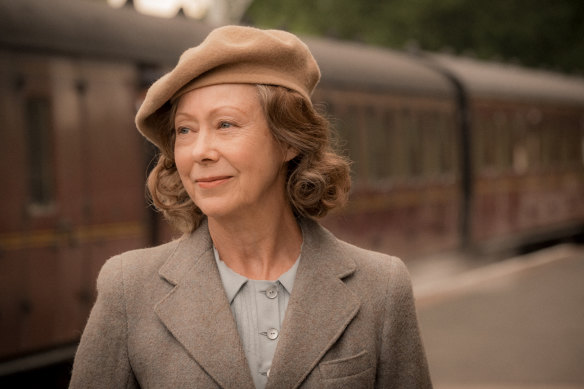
column 73, row 193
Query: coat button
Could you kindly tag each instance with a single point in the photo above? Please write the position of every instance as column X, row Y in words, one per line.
column 272, row 333
column 272, row 292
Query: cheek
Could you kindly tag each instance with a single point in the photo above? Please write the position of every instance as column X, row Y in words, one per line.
column 181, row 160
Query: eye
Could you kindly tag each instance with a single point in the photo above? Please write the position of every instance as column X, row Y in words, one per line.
column 225, row 125
column 182, row 130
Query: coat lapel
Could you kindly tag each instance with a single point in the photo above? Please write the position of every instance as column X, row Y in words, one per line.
column 197, row 313
column 320, row 308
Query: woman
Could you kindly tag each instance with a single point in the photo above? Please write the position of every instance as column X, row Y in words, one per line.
column 255, row 293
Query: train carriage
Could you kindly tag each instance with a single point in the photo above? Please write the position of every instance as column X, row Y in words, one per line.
column 396, row 118
column 527, row 142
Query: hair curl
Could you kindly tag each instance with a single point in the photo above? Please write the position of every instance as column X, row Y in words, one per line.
column 318, row 178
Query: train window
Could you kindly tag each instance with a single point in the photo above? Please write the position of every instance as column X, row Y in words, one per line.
column 493, row 143
column 347, row 126
column 40, row 152
column 534, row 138
column 398, row 147
column 552, row 135
column 379, row 159
column 554, row 142
column 504, row 142
column 581, row 142
column 411, row 136
column 484, row 143
column 430, row 144
column 573, row 141
column 547, row 144
column 578, row 143
column 435, row 144
column 477, row 139
column 563, row 136
column 448, row 146
column 520, row 152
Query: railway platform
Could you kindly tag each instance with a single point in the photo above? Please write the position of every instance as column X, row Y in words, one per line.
column 511, row 324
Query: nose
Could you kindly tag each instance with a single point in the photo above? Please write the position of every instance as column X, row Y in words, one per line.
column 204, row 147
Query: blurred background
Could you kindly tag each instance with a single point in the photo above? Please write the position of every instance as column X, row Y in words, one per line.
column 464, row 121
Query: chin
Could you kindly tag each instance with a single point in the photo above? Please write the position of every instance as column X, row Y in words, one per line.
column 215, row 210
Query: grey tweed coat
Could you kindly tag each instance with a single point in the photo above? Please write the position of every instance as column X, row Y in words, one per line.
column 161, row 320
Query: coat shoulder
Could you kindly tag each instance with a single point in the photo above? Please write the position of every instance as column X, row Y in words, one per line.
column 138, row 263
column 376, row 273
column 373, row 262
column 343, row 258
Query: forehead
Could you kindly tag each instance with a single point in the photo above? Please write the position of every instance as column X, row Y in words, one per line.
column 238, row 96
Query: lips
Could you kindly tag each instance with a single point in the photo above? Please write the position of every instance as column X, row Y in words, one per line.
column 211, row 182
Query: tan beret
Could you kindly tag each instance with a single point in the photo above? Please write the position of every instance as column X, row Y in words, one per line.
column 231, row 54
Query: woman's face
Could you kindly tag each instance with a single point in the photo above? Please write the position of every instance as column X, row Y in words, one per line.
column 225, row 154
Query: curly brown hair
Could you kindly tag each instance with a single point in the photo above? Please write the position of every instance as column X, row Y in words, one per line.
column 318, row 178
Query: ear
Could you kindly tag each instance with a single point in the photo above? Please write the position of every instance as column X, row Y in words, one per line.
column 290, row 153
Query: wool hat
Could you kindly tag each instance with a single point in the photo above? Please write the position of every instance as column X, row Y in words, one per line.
column 230, row 55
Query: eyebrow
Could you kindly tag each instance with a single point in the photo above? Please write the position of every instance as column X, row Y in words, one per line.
column 212, row 112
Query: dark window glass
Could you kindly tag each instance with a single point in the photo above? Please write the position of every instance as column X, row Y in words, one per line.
column 378, row 155
column 40, row 151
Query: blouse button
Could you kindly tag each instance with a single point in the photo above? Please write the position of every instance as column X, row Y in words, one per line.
column 272, row 333
column 272, row 292
column 265, row 373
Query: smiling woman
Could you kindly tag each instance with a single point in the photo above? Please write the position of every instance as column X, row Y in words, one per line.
column 256, row 293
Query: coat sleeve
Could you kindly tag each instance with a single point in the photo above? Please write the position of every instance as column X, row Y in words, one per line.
column 101, row 360
column 402, row 361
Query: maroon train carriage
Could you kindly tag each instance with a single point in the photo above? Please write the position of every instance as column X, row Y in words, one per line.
column 63, row 211
column 527, row 144
column 398, row 120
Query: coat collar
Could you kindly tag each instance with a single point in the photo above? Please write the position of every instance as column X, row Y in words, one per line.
column 198, row 314
column 320, row 308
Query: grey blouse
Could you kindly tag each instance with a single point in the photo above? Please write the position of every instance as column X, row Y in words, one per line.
column 258, row 307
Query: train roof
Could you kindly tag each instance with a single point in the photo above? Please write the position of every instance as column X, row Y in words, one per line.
column 92, row 29
column 505, row 81
column 356, row 65
column 85, row 28
column 89, row 29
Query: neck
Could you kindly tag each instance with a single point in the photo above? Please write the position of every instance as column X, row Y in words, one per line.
column 262, row 247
